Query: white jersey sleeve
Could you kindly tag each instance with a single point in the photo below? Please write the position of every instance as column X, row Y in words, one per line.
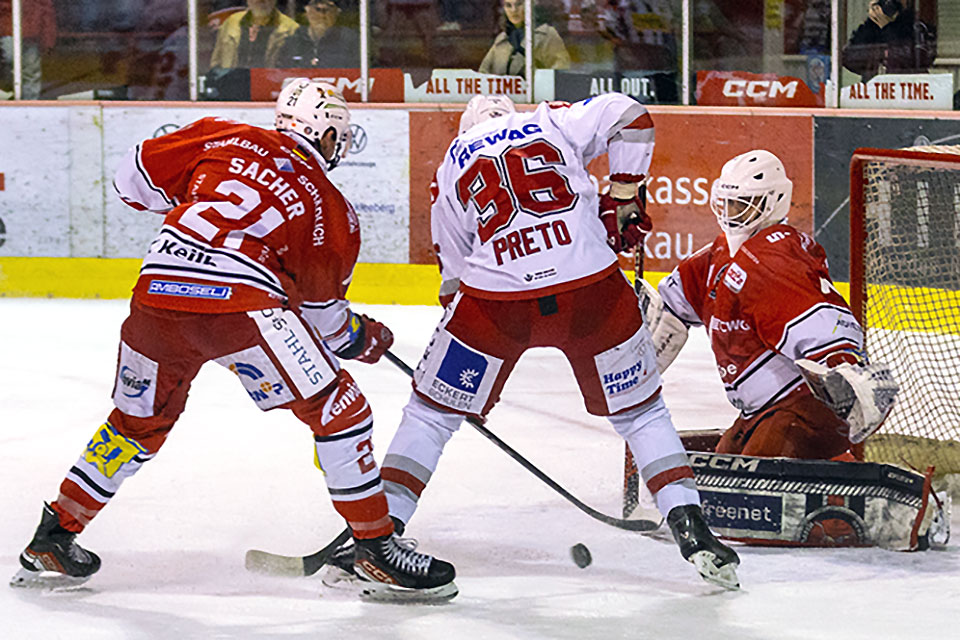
column 675, row 301
column 452, row 240
column 611, row 123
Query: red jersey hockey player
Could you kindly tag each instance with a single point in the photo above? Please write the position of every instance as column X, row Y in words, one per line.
column 764, row 294
column 249, row 269
column 527, row 262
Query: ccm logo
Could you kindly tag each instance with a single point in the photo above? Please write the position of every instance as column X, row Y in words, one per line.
column 726, row 463
column 759, row 88
column 342, row 83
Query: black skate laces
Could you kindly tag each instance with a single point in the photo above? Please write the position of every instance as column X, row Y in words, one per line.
column 401, row 553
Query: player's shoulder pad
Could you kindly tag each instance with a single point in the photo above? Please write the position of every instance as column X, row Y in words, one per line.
column 779, row 251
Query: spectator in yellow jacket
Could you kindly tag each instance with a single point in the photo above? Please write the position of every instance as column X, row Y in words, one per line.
column 252, row 38
column 506, row 55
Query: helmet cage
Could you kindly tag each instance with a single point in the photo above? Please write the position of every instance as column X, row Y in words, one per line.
column 752, row 191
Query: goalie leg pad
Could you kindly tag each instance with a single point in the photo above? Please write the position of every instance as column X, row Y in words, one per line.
column 818, row 503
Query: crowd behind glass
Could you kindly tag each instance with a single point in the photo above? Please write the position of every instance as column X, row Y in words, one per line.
column 141, row 49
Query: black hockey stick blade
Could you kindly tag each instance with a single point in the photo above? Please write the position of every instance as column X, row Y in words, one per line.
column 476, row 423
column 274, row 564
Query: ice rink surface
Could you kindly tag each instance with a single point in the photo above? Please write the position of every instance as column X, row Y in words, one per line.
column 232, row 478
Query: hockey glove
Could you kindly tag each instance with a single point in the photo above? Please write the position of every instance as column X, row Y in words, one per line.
column 369, row 340
column 861, row 394
column 623, row 211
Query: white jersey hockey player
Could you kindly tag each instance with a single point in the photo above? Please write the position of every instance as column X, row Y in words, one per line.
column 527, row 261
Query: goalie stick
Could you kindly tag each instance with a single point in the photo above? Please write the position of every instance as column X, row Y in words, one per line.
column 280, row 565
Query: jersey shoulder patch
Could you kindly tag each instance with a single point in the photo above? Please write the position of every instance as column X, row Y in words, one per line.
column 735, row 277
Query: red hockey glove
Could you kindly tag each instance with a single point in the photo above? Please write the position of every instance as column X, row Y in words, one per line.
column 369, row 340
column 625, row 220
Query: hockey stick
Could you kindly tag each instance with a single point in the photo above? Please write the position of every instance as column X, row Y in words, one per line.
column 631, row 475
column 297, row 566
column 476, row 423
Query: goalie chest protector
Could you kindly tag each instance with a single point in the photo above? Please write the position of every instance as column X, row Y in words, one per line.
column 776, row 501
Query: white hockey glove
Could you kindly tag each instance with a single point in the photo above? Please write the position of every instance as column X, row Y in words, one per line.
column 861, row 394
column 669, row 333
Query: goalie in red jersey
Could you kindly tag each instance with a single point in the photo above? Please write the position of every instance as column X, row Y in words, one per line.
column 788, row 348
column 250, row 269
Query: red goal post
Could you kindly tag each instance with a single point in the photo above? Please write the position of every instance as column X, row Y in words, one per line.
column 905, row 290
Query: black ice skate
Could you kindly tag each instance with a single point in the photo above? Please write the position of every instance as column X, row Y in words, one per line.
column 393, row 571
column 716, row 562
column 53, row 559
column 339, row 571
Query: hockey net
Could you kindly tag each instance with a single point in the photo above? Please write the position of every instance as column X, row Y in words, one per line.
column 905, row 289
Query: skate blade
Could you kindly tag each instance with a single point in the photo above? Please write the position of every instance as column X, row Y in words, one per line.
column 725, row 576
column 45, row 580
column 393, row 594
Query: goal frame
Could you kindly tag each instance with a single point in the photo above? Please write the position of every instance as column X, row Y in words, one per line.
column 932, row 159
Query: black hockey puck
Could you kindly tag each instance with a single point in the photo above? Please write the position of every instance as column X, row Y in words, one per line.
column 581, row 555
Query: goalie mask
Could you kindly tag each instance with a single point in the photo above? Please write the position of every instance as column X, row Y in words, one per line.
column 311, row 108
column 752, row 192
column 483, row 108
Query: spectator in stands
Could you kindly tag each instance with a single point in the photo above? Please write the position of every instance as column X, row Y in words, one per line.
column 321, row 42
column 506, row 56
column 39, row 33
column 891, row 40
column 642, row 34
column 252, row 38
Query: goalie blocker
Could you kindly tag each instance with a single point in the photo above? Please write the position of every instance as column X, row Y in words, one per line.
column 777, row 501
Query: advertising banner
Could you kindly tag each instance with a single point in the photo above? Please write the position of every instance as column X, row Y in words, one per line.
column 649, row 87
column 35, row 182
column 459, row 85
column 386, row 85
column 742, row 89
column 678, row 188
column 901, row 91
column 836, row 139
column 373, row 176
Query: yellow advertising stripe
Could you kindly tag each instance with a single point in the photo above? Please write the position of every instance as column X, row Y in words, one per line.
column 899, row 308
column 373, row 283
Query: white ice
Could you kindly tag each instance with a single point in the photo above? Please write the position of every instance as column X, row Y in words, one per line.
column 232, row 478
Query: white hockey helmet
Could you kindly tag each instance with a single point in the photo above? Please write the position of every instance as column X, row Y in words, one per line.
column 752, row 192
column 482, row 108
column 311, row 108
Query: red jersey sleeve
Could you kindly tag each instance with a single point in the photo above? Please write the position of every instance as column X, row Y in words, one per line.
column 154, row 175
column 322, row 267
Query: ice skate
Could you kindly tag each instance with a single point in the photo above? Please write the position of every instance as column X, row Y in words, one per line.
column 53, row 559
column 391, row 570
column 716, row 562
column 339, row 572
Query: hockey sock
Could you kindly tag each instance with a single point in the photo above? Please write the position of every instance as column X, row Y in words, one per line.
column 109, row 459
column 344, row 452
column 414, row 452
column 659, row 454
